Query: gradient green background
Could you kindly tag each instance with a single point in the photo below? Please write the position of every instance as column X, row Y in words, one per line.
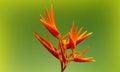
column 20, row 51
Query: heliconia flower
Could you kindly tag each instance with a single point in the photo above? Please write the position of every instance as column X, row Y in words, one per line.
column 47, row 45
column 50, row 23
column 75, row 38
column 68, row 41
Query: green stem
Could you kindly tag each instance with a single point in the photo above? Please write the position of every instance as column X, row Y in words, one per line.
column 61, row 67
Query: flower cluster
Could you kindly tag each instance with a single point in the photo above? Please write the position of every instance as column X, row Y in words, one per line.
column 68, row 41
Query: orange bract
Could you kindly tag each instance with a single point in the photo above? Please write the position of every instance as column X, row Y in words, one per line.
column 74, row 37
column 50, row 24
column 47, row 45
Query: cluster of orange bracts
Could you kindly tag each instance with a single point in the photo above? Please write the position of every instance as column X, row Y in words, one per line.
column 74, row 37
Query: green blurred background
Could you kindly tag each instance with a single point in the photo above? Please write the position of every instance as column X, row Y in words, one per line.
column 20, row 51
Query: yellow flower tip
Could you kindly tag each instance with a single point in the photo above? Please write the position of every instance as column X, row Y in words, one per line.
column 41, row 20
column 93, row 60
column 87, row 35
column 90, row 33
column 85, row 32
column 51, row 6
column 41, row 16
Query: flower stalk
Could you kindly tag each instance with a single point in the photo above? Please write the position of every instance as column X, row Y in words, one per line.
column 68, row 41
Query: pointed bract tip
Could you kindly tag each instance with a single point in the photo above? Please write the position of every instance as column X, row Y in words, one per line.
column 91, row 33
column 73, row 23
column 34, row 33
column 51, row 6
column 40, row 15
column 93, row 60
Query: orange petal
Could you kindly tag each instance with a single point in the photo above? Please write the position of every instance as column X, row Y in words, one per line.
column 72, row 38
column 78, row 31
column 51, row 29
column 77, row 59
column 83, row 52
column 73, row 32
column 48, row 17
column 47, row 45
column 50, row 25
column 83, row 37
column 72, row 42
column 52, row 15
